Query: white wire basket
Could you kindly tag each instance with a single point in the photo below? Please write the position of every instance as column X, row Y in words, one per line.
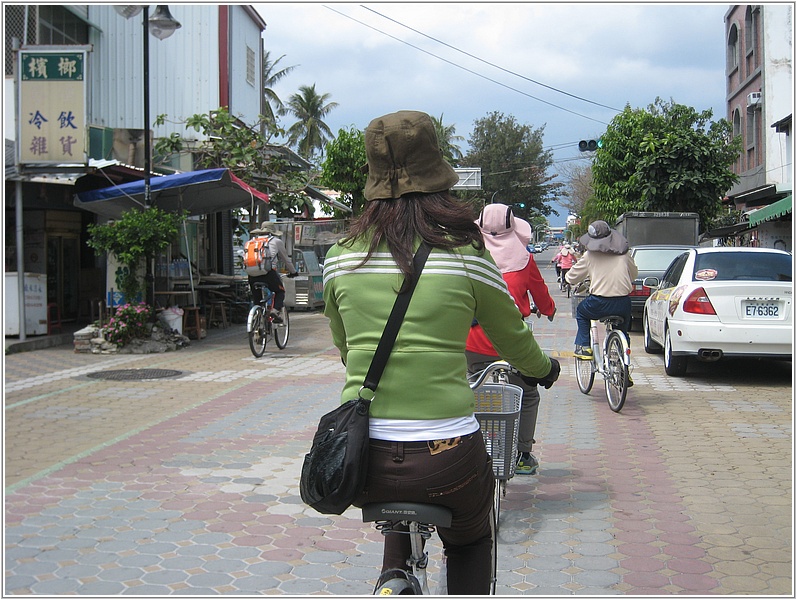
column 498, row 411
column 575, row 300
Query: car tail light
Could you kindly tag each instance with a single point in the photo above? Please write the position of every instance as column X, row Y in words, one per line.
column 639, row 290
column 698, row 303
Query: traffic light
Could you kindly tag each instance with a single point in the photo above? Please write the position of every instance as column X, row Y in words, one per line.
column 590, row 145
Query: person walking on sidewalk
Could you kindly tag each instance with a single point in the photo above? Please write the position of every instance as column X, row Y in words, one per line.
column 425, row 440
column 506, row 237
column 272, row 279
column 611, row 271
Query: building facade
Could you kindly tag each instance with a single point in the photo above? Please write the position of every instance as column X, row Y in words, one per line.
column 214, row 59
column 760, row 97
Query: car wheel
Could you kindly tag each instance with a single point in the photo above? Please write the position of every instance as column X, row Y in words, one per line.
column 674, row 366
column 651, row 347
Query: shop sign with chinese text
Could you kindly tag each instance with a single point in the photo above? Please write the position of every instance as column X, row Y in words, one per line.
column 52, row 106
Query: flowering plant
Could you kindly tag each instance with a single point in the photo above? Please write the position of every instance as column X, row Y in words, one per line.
column 129, row 322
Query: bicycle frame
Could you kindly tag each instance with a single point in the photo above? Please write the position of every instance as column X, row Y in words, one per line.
column 611, row 359
column 421, row 519
column 260, row 325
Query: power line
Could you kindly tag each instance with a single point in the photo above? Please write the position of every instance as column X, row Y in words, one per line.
column 465, row 68
column 489, row 63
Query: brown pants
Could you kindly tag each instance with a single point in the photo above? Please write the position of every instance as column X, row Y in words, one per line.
column 460, row 478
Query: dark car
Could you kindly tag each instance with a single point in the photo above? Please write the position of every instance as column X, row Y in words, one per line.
column 652, row 261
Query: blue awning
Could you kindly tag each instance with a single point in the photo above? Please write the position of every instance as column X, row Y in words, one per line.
column 197, row 192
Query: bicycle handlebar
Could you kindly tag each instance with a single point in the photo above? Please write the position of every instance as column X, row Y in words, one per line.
column 499, row 365
column 477, row 379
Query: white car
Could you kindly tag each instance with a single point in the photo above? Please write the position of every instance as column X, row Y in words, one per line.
column 720, row 302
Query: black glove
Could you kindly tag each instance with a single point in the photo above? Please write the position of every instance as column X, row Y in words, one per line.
column 548, row 380
column 292, row 275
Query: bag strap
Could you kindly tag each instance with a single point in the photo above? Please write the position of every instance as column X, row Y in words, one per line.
column 394, row 322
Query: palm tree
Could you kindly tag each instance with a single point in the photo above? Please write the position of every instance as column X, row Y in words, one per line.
column 309, row 133
column 271, row 76
column 446, row 138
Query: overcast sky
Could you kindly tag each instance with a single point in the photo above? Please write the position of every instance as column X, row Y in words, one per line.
column 568, row 67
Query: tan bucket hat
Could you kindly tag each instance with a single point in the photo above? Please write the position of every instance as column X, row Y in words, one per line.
column 265, row 227
column 404, row 157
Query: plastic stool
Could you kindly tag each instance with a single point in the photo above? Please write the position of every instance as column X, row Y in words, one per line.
column 222, row 320
column 197, row 323
column 52, row 325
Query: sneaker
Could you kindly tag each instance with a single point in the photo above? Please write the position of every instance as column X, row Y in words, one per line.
column 527, row 464
column 583, row 352
column 275, row 316
column 630, row 381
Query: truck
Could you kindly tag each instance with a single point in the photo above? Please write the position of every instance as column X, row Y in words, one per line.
column 646, row 228
column 655, row 238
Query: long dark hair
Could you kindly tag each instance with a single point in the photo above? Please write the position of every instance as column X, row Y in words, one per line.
column 439, row 219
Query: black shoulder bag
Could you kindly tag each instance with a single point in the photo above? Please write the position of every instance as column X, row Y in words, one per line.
column 335, row 469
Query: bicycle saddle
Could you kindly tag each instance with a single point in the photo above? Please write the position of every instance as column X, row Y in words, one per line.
column 613, row 319
column 407, row 511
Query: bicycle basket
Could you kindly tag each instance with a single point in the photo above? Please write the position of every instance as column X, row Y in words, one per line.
column 497, row 409
column 575, row 300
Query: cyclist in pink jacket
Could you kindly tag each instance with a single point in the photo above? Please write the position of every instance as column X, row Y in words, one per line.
column 564, row 260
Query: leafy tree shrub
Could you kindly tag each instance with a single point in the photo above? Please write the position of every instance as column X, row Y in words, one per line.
column 138, row 235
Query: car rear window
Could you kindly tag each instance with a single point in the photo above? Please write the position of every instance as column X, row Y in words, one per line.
column 752, row 266
column 656, row 260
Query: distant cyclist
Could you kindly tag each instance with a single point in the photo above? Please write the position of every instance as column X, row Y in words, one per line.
column 272, row 248
column 564, row 260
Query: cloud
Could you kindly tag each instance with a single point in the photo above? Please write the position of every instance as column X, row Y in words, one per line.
column 610, row 54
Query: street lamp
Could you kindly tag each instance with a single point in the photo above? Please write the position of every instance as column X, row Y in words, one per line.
column 161, row 25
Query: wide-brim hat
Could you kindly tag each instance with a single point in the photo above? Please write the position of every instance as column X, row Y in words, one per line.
column 404, row 156
column 265, row 227
column 505, row 236
column 602, row 238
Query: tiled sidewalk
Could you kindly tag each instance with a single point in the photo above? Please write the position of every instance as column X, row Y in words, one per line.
column 188, row 485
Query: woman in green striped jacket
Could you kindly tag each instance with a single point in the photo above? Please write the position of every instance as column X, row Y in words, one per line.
column 423, row 402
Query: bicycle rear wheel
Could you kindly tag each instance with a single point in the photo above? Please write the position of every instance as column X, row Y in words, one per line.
column 257, row 331
column 500, row 488
column 282, row 330
column 616, row 374
column 585, row 374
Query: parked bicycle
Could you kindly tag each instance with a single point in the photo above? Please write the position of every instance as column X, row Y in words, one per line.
column 611, row 359
column 498, row 412
column 261, row 326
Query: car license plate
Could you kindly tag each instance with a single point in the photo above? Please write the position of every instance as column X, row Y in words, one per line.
column 760, row 310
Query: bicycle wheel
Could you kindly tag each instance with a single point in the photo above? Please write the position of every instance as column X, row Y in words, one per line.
column 500, row 488
column 585, row 374
column 616, row 374
column 282, row 330
column 256, row 324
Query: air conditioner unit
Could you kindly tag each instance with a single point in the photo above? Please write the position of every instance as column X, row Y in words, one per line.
column 754, row 99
